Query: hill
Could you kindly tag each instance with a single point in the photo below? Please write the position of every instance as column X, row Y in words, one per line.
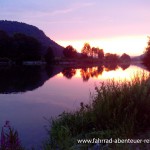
column 12, row 27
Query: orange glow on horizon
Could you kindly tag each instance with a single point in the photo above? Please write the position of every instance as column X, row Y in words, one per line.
column 132, row 45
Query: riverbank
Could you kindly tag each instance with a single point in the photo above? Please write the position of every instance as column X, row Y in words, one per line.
column 116, row 110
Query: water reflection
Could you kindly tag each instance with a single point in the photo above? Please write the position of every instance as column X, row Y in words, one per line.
column 111, row 66
column 14, row 79
column 124, row 66
column 90, row 72
column 61, row 88
column 68, row 72
column 145, row 66
column 86, row 73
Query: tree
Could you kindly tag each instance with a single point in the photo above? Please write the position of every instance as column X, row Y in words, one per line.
column 100, row 53
column 86, row 50
column 94, row 51
column 49, row 56
column 125, row 58
column 146, row 58
column 19, row 47
column 5, row 44
column 111, row 57
column 70, row 52
column 3, row 35
column 25, row 48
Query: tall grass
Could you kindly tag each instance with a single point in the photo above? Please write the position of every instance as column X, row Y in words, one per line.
column 9, row 138
column 118, row 109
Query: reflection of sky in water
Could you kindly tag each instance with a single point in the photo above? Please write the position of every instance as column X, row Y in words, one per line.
column 118, row 74
column 26, row 111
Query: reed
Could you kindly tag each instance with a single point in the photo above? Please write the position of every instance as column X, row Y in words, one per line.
column 117, row 110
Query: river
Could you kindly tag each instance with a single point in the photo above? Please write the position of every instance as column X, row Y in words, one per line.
column 29, row 95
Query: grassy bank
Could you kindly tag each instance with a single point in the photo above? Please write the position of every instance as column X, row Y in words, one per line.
column 117, row 110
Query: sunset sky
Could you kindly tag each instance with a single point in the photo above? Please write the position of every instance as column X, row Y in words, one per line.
column 114, row 25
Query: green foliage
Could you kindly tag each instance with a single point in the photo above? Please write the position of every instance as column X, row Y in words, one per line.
column 116, row 111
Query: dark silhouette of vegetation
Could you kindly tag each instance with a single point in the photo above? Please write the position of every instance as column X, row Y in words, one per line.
column 86, row 50
column 111, row 66
column 69, row 72
column 24, row 78
column 93, row 52
column 9, row 138
column 49, row 56
column 111, row 58
column 125, row 58
column 115, row 111
column 91, row 72
column 100, row 53
column 70, row 52
column 124, row 66
column 146, row 58
column 87, row 73
column 26, row 47
column 97, row 53
column 19, row 47
column 12, row 27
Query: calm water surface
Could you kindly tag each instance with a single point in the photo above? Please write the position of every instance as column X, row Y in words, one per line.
column 30, row 94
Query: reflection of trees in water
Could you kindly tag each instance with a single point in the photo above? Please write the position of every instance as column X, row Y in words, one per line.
column 18, row 78
column 147, row 66
column 69, row 72
column 90, row 72
column 15, row 79
column 124, row 66
column 114, row 66
column 111, row 66
column 86, row 73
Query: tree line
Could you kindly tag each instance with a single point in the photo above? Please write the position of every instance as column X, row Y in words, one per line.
column 94, row 52
column 19, row 47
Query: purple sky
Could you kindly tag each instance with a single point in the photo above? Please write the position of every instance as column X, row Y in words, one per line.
column 85, row 20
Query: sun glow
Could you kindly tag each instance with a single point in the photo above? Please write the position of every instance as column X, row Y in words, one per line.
column 132, row 45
